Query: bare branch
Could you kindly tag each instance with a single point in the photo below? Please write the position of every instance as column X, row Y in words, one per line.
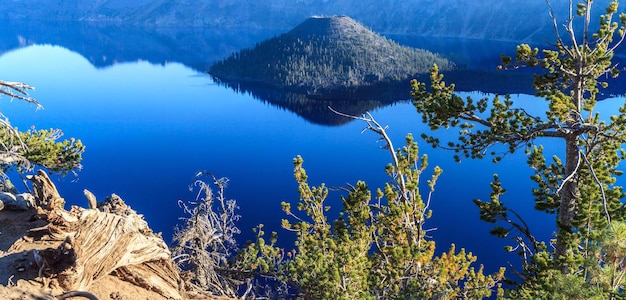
column 379, row 129
column 207, row 240
column 570, row 176
column 570, row 30
column 555, row 26
column 595, row 178
column 18, row 90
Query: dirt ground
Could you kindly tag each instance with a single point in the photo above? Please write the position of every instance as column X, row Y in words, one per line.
column 19, row 271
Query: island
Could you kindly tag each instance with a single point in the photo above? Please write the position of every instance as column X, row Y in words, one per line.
column 325, row 57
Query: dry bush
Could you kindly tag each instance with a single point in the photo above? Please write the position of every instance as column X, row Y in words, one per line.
column 206, row 240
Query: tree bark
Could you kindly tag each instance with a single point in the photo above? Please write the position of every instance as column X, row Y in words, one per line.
column 567, row 206
column 45, row 192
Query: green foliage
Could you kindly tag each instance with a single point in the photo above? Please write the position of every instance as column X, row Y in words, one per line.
column 482, row 124
column 556, row 285
column 603, row 278
column 578, row 188
column 28, row 149
column 324, row 62
column 376, row 248
column 44, row 149
column 330, row 262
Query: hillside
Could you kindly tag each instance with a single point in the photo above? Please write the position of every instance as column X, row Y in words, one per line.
column 514, row 20
column 325, row 55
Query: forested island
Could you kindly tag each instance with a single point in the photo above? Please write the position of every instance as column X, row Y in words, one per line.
column 325, row 57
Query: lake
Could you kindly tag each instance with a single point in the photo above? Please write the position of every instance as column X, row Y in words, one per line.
column 151, row 118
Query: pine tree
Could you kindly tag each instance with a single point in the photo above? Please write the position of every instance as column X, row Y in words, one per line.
column 579, row 188
column 24, row 150
column 377, row 248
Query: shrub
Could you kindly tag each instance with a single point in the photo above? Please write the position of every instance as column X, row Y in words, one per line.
column 376, row 248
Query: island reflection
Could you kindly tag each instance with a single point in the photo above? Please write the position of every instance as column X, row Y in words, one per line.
column 315, row 110
column 198, row 48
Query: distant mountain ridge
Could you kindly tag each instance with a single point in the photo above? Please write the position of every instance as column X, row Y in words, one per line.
column 327, row 56
column 515, row 20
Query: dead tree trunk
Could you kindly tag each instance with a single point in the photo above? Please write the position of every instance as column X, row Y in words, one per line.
column 112, row 239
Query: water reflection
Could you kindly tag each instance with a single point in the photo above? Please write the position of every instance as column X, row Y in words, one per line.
column 106, row 45
column 315, row 110
column 199, row 47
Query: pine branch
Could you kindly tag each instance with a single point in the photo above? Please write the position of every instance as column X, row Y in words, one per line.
column 595, row 178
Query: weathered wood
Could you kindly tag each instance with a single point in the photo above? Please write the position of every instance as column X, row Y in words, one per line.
column 72, row 294
column 153, row 275
column 112, row 239
column 45, row 192
column 107, row 243
column 91, row 199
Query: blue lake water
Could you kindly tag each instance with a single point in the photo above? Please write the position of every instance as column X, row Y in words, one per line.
column 149, row 127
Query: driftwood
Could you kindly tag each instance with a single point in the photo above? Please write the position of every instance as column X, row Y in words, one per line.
column 93, row 243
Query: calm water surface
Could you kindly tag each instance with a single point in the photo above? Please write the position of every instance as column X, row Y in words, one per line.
column 150, row 127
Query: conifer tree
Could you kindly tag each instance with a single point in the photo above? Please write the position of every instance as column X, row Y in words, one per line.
column 579, row 187
column 26, row 149
column 378, row 247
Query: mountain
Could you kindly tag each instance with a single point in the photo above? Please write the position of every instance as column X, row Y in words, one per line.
column 327, row 55
column 105, row 45
column 515, row 20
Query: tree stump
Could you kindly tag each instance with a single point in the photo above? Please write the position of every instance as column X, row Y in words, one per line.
column 94, row 243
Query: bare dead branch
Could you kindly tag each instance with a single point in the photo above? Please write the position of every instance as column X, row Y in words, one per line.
column 570, row 176
column 207, row 239
column 379, row 129
column 18, row 90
